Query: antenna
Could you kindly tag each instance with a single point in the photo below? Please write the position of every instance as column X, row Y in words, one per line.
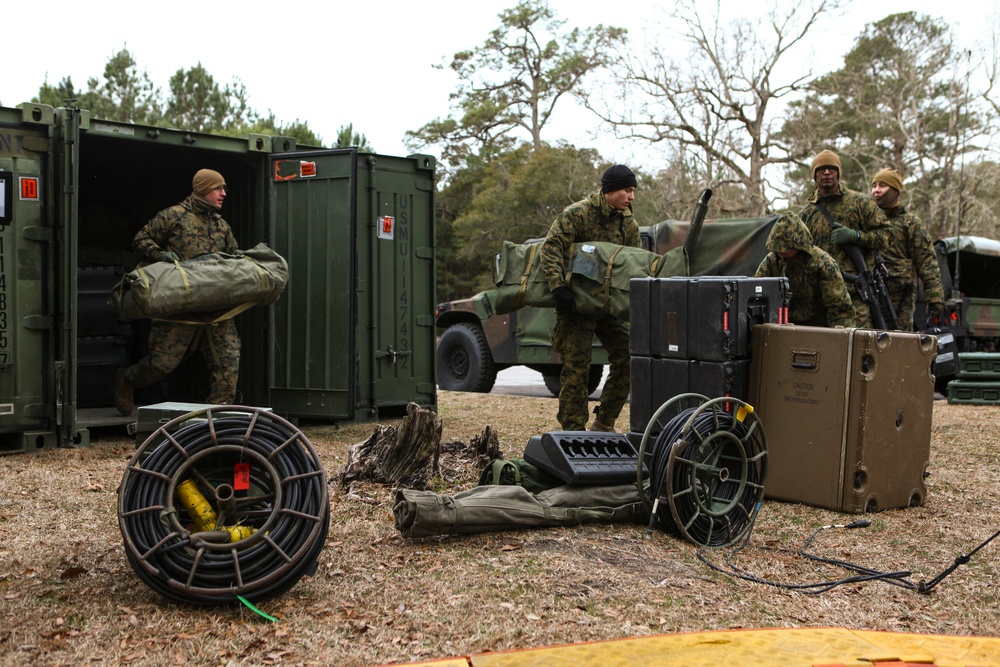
column 955, row 291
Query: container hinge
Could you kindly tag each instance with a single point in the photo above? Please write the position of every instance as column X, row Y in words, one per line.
column 39, row 322
column 379, row 354
column 41, row 234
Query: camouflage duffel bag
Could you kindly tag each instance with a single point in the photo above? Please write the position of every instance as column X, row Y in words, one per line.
column 208, row 288
column 598, row 274
column 510, row 507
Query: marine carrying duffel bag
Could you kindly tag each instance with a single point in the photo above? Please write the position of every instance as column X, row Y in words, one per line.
column 597, row 273
column 207, row 288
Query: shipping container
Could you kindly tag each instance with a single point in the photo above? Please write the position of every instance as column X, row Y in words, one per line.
column 351, row 338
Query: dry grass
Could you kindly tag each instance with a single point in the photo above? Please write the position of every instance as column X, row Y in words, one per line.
column 68, row 595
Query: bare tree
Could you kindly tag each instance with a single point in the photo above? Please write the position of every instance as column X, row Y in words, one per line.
column 714, row 103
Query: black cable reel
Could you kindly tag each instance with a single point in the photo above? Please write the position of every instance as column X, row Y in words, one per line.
column 224, row 504
column 707, row 468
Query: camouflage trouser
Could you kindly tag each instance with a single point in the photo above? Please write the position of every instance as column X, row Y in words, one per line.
column 170, row 343
column 572, row 337
column 862, row 314
column 903, row 294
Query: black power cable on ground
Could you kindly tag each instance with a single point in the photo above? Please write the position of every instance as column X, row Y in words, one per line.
column 231, row 506
column 861, row 573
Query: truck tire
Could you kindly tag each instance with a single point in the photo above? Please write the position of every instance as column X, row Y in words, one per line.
column 464, row 360
column 553, row 384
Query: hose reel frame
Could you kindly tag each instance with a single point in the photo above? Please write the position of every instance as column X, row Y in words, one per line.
column 280, row 514
column 708, row 465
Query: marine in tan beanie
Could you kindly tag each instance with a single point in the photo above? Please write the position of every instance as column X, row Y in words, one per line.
column 826, row 159
column 210, row 187
column 886, row 188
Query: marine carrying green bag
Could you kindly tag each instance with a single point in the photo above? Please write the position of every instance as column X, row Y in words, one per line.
column 208, row 288
column 597, row 273
column 492, row 508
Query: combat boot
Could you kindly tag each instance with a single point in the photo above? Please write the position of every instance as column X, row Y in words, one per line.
column 123, row 393
column 598, row 425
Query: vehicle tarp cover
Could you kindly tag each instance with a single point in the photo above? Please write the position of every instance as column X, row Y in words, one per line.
column 599, row 273
column 207, row 288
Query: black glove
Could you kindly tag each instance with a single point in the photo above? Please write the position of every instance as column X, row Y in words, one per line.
column 565, row 303
column 170, row 257
column 841, row 235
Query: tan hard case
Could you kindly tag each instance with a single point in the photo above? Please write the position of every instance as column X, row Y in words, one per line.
column 846, row 414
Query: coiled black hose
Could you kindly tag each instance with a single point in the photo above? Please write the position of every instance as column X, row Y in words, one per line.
column 707, row 471
column 283, row 512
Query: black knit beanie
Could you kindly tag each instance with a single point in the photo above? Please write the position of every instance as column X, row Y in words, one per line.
column 617, row 177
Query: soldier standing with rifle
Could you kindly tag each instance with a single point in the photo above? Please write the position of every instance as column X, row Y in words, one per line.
column 844, row 222
column 606, row 215
column 910, row 256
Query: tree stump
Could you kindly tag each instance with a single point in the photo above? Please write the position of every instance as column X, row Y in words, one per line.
column 486, row 446
column 407, row 456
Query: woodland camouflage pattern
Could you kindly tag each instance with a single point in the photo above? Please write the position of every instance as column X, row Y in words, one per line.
column 859, row 212
column 819, row 294
column 909, row 256
column 572, row 337
column 188, row 229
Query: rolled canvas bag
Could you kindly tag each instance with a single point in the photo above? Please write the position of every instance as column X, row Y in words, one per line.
column 489, row 508
column 207, row 288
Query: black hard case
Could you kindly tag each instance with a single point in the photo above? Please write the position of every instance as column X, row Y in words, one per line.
column 708, row 318
column 655, row 381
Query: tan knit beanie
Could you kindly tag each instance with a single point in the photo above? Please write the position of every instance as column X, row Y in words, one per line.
column 891, row 178
column 826, row 159
column 206, row 180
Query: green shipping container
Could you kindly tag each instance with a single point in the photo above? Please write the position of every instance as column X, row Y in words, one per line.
column 351, row 339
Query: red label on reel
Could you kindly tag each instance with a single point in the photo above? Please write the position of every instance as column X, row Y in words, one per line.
column 241, row 477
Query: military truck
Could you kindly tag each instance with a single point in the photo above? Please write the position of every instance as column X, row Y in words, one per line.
column 475, row 343
column 970, row 275
column 351, row 338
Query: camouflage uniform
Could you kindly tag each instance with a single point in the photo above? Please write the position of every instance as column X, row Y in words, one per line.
column 908, row 257
column 819, row 294
column 572, row 336
column 857, row 211
column 188, row 229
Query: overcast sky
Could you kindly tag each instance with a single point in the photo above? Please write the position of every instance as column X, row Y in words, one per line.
column 367, row 63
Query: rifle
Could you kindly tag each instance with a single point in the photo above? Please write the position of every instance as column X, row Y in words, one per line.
column 870, row 284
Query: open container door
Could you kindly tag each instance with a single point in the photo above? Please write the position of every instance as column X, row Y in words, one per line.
column 353, row 334
column 312, row 214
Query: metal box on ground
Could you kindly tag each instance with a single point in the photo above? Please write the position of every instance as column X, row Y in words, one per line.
column 979, row 366
column 974, row 393
column 151, row 417
column 847, row 414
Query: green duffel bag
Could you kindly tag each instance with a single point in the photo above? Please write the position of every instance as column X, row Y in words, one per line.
column 598, row 275
column 520, row 473
column 208, row 288
column 484, row 509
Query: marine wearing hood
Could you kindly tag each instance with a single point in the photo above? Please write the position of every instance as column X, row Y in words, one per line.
column 789, row 233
